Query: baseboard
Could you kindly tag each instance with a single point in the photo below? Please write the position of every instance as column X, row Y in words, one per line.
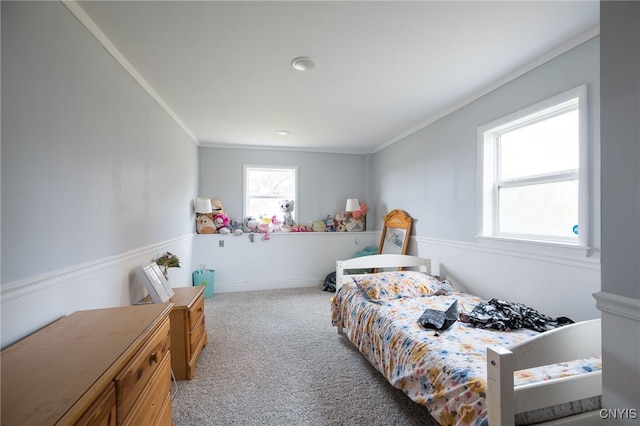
column 266, row 285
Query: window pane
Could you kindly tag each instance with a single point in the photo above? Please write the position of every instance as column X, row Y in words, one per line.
column 268, row 182
column 264, row 207
column 266, row 187
column 544, row 209
column 548, row 145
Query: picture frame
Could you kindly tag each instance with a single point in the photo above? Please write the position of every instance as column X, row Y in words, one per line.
column 155, row 282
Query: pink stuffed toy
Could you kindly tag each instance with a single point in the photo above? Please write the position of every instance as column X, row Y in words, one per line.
column 361, row 212
column 222, row 223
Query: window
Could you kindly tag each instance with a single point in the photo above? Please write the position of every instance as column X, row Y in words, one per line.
column 533, row 173
column 266, row 186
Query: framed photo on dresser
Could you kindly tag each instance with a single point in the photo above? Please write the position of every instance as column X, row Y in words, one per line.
column 155, row 282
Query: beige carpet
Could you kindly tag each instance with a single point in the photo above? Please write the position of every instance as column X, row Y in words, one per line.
column 273, row 358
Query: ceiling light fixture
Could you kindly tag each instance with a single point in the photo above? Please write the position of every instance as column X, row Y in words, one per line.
column 304, row 63
column 282, row 132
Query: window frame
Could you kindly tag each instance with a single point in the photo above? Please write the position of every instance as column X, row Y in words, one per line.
column 245, row 193
column 488, row 209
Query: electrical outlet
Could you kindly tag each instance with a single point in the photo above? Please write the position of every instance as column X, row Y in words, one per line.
column 221, row 243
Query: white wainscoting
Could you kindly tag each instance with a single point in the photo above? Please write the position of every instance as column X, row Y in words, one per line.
column 29, row 304
column 285, row 260
column 553, row 285
column 620, row 354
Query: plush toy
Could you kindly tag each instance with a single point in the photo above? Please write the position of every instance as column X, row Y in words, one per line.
column 330, row 223
column 205, row 225
column 216, row 207
column 286, row 206
column 360, row 213
column 221, row 222
column 235, row 227
column 357, row 221
column 264, row 227
column 341, row 221
column 319, row 226
column 250, row 224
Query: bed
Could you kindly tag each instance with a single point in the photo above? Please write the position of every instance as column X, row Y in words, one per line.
column 464, row 375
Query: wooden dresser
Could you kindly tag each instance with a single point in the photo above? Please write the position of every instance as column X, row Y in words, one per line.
column 188, row 334
column 97, row 367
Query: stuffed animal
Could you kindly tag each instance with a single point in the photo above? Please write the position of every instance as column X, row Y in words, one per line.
column 319, row 226
column 235, row 227
column 341, row 221
column 216, row 207
column 221, row 222
column 205, row 225
column 360, row 213
column 250, row 224
column 286, row 206
column 330, row 223
column 264, row 227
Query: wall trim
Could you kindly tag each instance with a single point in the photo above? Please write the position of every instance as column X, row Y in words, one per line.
column 93, row 28
column 618, row 305
column 585, row 262
column 19, row 288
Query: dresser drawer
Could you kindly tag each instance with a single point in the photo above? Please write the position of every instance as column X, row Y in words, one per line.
column 196, row 311
column 195, row 337
column 103, row 410
column 132, row 380
column 197, row 348
column 165, row 418
column 149, row 408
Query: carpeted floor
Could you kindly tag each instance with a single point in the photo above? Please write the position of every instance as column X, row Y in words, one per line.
column 273, row 358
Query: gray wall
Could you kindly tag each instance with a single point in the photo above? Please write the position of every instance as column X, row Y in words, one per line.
column 619, row 298
column 97, row 179
column 621, row 150
column 325, row 181
column 432, row 174
column 91, row 165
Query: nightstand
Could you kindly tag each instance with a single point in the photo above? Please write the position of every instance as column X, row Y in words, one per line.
column 188, row 333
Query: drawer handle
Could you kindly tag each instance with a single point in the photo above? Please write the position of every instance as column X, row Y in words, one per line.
column 154, row 357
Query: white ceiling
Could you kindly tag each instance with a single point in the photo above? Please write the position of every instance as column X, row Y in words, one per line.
column 385, row 68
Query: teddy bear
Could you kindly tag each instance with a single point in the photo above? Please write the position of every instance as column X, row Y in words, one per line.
column 221, row 222
column 286, row 206
column 205, row 225
column 216, row 206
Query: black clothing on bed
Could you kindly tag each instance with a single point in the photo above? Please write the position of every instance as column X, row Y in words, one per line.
column 500, row 315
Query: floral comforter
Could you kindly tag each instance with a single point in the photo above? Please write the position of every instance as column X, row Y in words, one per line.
column 445, row 371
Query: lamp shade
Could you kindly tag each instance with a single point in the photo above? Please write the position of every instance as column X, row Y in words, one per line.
column 203, row 205
column 353, row 205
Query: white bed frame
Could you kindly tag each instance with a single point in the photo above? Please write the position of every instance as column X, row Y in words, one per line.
column 579, row 340
column 379, row 261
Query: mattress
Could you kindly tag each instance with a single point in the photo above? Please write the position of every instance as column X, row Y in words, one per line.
column 443, row 370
